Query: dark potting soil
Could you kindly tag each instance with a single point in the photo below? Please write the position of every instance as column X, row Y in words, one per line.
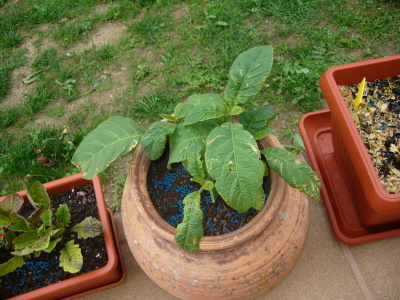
column 378, row 121
column 44, row 270
column 167, row 188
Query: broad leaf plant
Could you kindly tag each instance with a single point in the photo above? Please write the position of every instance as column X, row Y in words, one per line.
column 41, row 231
column 215, row 138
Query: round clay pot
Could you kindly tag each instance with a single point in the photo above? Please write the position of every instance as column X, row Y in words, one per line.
column 242, row 264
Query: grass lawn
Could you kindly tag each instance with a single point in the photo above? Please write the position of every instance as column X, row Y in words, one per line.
column 67, row 65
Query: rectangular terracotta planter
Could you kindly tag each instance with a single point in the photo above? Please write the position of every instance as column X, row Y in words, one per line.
column 111, row 274
column 373, row 204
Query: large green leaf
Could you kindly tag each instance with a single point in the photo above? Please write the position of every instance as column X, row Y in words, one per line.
column 11, row 265
column 113, row 138
column 182, row 109
column 71, row 259
column 233, row 161
column 190, row 231
column 248, row 74
column 255, row 120
column 186, row 141
column 203, row 112
column 155, row 138
column 37, row 195
column 297, row 174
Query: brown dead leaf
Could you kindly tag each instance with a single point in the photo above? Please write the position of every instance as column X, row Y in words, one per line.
column 44, row 161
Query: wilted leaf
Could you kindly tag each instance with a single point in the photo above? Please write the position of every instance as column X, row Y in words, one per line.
column 155, row 138
column 190, row 231
column 19, row 223
column 11, row 203
column 37, row 195
column 233, row 161
column 36, row 217
column 71, row 259
column 43, row 241
column 22, row 252
column 297, row 174
column 44, row 161
column 113, row 138
column 90, row 227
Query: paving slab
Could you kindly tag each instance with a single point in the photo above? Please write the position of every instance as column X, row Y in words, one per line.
column 326, row 269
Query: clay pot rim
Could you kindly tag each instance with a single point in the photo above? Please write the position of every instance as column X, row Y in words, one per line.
column 140, row 164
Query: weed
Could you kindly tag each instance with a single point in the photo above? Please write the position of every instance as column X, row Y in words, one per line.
column 9, row 60
column 55, row 112
column 47, row 59
column 106, row 53
column 19, row 156
column 151, row 28
column 117, row 188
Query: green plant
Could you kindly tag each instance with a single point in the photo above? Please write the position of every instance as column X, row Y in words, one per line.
column 215, row 138
column 41, row 231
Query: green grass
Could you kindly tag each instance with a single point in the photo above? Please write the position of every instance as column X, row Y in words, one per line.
column 168, row 50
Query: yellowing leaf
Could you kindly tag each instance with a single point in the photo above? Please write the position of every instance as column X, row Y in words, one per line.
column 190, row 231
column 360, row 93
column 12, row 264
column 90, row 227
column 71, row 259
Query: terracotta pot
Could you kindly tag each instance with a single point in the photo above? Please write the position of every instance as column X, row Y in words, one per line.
column 373, row 204
column 239, row 265
column 111, row 274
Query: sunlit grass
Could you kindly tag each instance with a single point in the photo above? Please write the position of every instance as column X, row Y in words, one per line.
column 169, row 50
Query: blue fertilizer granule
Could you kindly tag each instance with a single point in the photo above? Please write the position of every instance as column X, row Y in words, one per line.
column 167, row 188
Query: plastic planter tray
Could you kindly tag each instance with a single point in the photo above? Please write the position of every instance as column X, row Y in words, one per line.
column 375, row 207
column 121, row 266
column 315, row 129
column 110, row 275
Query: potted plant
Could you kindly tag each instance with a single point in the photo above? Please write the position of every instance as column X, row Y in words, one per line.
column 215, row 138
column 374, row 205
column 31, row 228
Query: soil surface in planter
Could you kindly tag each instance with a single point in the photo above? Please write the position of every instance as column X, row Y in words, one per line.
column 378, row 121
column 167, row 188
column 45, row 270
